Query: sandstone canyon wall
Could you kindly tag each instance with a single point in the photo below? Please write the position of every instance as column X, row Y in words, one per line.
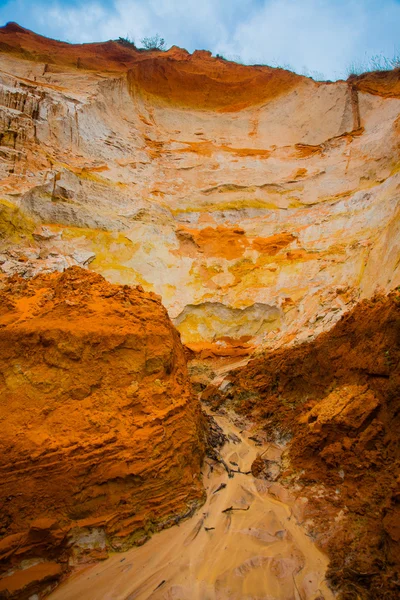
column 259, row 204
column 335, row 403
column 102, row 439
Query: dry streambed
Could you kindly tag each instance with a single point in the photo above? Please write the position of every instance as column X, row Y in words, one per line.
column 257, row 549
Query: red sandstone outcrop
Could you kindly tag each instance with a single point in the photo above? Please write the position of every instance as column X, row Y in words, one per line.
column 102, row 438
column 336, row 400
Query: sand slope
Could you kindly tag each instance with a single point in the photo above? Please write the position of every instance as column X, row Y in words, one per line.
column 254, row 554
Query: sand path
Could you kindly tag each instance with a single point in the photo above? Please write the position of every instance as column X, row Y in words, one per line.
column 253, row 554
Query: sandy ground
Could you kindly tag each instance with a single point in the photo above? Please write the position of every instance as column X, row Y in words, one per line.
column 259, row 552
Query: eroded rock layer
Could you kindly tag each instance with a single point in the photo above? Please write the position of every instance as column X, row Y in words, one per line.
column 336, row 401
column 221, row 187
column 101, row 436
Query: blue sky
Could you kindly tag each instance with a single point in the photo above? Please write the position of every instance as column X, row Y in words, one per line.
column 321, row 37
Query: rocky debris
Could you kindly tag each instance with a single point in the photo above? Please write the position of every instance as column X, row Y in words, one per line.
column 265, row 469
column 336, row 400
column 212, row 396
column 102, row 438
column 216, row 438
column 257, row 466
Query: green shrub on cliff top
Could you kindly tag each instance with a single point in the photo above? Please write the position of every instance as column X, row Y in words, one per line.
column 154, row 43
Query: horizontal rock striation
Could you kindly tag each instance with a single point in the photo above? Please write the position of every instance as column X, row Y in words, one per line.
column 202, row 180
column 102, row 439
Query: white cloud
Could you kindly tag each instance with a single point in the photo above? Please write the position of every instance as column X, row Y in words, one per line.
column 311, row 34
column 317, row 35
column 78, row 25
column 321, row 35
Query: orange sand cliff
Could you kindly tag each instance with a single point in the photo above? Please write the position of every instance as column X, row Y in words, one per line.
column 195, row 80
column 101, row 435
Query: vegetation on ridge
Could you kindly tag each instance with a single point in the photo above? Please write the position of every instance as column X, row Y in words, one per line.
column 378, row 62
column 155, row 42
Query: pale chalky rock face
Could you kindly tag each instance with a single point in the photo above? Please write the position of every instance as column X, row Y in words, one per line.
column 259, row 204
